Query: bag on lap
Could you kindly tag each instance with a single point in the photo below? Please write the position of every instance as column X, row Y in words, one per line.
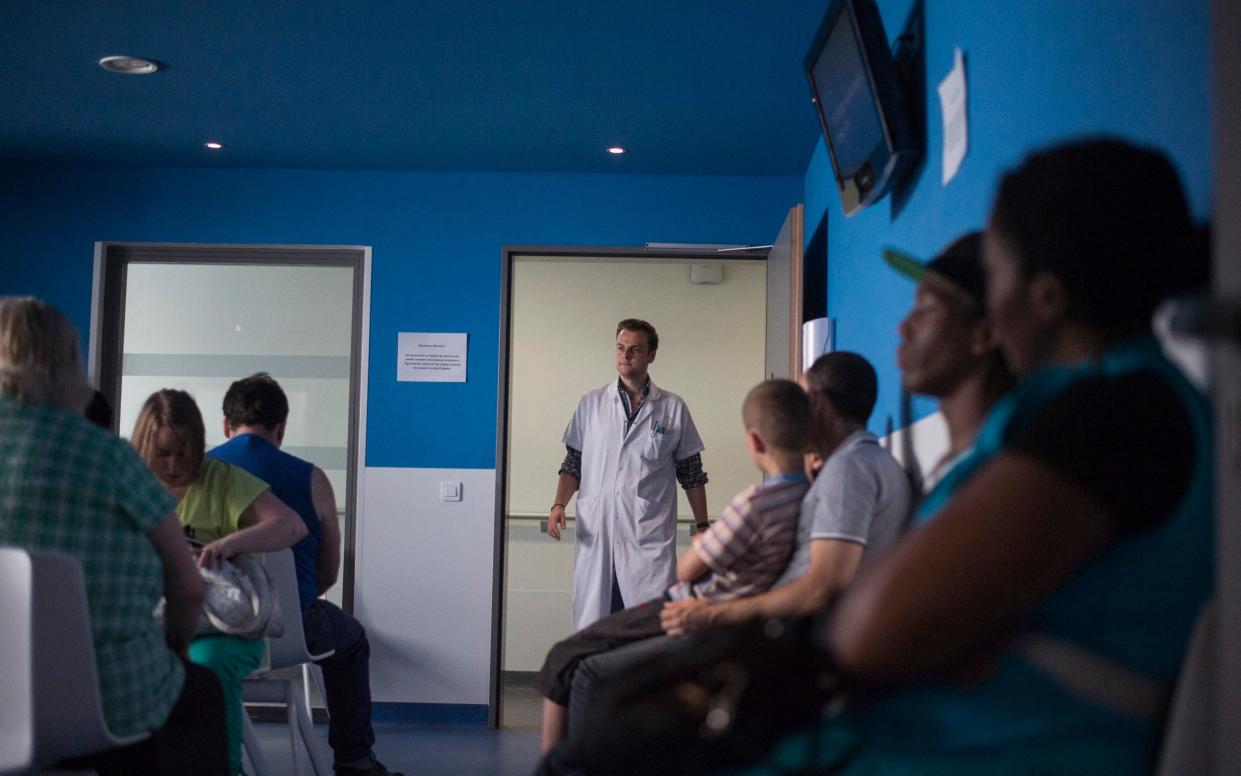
column 240, row 599
column 719, row 702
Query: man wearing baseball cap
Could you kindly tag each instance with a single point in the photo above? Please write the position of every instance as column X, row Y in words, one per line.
column 947, row 348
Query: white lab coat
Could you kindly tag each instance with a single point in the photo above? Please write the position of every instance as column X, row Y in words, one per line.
column 627, row 497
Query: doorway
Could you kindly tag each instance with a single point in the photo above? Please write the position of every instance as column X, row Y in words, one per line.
column 198, row 317
column 562, row 306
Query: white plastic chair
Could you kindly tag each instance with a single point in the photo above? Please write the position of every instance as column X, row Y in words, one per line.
column 285, row 652
column 1189, row 736
column 51, row 707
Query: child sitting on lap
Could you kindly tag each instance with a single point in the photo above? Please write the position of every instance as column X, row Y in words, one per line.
column 741, row 555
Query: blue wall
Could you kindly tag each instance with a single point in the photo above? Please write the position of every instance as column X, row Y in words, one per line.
column 1037, row 72
column 435, row 265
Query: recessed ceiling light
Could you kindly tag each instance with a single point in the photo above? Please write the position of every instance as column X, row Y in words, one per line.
column 128, row 65
column 616, row 150
column 213, row 145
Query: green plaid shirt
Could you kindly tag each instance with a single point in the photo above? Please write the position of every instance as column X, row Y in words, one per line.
column 67, row 485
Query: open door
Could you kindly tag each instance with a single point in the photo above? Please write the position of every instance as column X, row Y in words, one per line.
column 784, row 298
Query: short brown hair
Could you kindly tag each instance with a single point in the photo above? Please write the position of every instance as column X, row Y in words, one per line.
column 779, row 412
column 637, row 324
column 257, row 400
column 170, row 408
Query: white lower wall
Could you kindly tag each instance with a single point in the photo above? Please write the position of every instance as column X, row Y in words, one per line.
column 920, row 445
column 423, row 580
column 423, row 584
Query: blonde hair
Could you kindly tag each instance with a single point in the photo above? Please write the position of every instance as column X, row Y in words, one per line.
column 39, row 358
column 177, row 410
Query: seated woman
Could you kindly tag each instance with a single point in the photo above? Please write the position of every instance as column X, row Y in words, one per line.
column 229, row 511
column 1035, row 621
column 72, row 487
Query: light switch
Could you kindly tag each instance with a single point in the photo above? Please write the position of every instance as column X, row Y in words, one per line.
column 450, row 491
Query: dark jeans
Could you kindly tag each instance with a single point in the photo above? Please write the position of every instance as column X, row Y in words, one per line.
column 191, row 742
column 346, row 679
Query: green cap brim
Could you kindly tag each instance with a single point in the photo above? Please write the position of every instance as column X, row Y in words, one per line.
column 904, row 263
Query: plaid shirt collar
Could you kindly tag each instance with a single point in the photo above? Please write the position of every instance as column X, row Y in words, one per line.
column 631, row 413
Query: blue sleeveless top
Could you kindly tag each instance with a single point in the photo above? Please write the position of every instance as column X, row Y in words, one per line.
column 1135, row 604
column 289, row 478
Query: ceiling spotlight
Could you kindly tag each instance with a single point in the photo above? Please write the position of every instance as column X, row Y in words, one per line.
column 213, row 145
column 616, row 150
column 128, row 65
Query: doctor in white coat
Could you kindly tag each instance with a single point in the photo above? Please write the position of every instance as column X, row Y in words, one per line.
column 628, row 445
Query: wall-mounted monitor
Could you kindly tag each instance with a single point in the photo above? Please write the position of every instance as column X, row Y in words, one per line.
column 860, row 102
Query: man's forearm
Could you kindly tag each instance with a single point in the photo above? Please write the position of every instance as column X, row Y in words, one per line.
column 833, row 563
column 327, row 567
column 566, row 486
column 697, row 498
column 327, row 562
column 795, row 599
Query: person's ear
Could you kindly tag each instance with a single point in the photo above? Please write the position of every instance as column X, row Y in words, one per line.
column 982, row 338
column 280, row 433
column 755, row 442
column 651, row 360
column 228, row 430
column 1049, row 300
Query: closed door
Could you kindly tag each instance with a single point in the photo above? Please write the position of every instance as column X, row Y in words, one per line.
column 198, row 326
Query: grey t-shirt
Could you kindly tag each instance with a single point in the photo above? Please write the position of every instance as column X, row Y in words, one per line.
column 861, row 495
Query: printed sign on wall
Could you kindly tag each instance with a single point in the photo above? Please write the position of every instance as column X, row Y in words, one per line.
column 423, row 357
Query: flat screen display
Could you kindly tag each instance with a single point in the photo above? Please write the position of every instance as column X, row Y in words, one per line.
column 846, row 100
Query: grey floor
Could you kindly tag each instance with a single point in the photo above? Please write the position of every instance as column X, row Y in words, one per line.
column 521, row 705
column 432, row 750
column 424, row 751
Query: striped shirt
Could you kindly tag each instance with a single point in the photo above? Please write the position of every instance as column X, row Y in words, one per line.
column 751, row 543
column 67, row 485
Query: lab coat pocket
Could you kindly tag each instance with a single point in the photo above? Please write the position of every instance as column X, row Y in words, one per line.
column 654, row 525
column 657, row 447
column 586, row 522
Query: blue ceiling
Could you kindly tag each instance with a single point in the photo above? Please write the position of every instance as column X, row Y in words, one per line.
column 688, row 86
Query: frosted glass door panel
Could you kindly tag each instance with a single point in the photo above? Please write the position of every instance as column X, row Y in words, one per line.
column 199, row 327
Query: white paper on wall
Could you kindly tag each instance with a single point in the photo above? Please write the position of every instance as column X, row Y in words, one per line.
column 952, row 103
column 817, row 337
column 431, row 357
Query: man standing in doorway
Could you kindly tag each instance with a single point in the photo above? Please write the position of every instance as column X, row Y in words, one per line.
column 255, row 412
column 628, row 444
